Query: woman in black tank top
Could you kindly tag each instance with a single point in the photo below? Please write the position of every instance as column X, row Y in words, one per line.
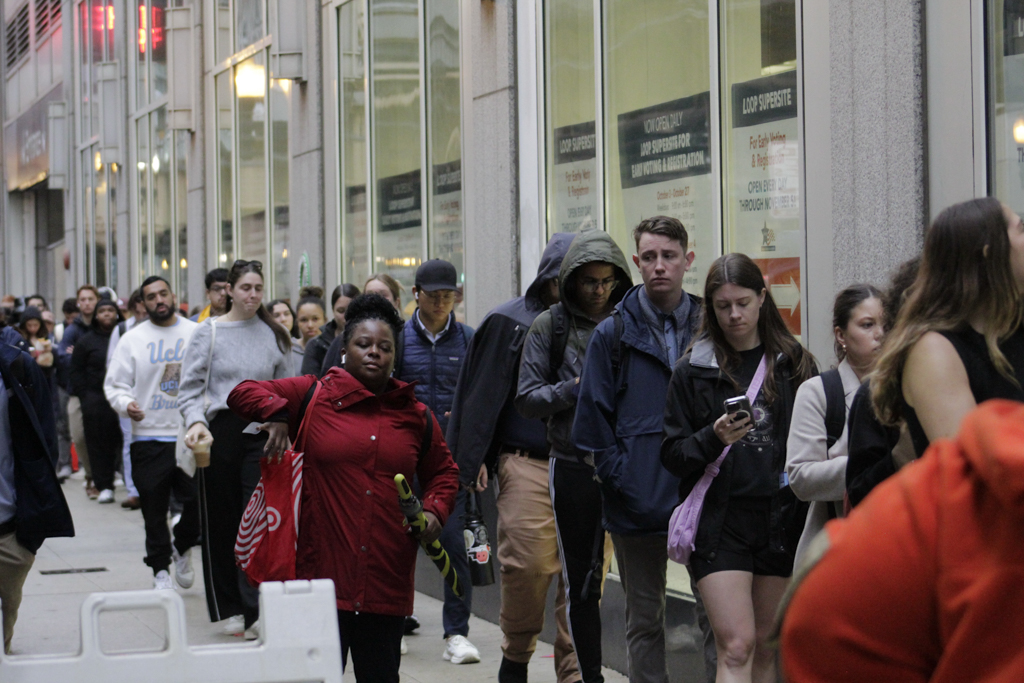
column 958, row 341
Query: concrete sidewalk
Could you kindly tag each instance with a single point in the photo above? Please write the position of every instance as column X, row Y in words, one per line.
column 112, row 539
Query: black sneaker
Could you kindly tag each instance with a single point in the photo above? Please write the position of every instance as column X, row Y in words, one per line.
column 411, row 624
column 511, row 672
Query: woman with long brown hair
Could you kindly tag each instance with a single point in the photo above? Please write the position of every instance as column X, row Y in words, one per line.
column 750, row 522
column 244, row 343
column 958, row 339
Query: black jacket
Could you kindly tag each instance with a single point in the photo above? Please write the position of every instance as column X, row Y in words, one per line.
column 870, row 448
column 490, row 372
column 695, row 396
column 316, row 349
column 88, row 368
column 41, row 510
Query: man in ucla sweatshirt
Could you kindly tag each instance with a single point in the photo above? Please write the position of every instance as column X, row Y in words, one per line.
column 142, row 383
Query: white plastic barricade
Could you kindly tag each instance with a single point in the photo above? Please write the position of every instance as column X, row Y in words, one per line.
column 298, row 642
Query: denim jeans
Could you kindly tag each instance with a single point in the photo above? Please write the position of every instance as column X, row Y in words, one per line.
column 455, row 614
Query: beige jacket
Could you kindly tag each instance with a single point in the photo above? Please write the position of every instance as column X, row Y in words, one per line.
column 816, row 473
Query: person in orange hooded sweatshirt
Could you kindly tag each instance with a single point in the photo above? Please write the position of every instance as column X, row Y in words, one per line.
column 925, row 580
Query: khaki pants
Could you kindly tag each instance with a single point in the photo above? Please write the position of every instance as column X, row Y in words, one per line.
column 528, row 553
column 15, row 561
column 77, row 426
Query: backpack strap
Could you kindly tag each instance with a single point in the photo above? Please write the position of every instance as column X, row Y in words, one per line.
column 835, row 406
column 835, row 417
column 559, row 340
column 617, row 345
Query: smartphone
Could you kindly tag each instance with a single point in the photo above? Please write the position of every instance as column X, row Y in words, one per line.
column 738, row 407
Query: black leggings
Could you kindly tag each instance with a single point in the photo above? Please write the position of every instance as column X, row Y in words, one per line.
column 103, row 437
column 376, row 644
column 576, row 500
column 224, row 490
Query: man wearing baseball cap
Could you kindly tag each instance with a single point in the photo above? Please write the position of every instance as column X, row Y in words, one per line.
column 431, row 352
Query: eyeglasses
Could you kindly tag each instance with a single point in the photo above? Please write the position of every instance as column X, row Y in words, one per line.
column 242, row 263
column 590, row 285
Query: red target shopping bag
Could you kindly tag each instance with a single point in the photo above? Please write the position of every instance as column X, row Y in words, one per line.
column 267, row 537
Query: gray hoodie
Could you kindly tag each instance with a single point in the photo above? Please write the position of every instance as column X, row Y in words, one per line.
column 554, row 398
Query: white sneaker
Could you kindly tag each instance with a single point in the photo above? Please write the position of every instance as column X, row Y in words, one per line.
column 405, row 648
column 118, row 481
column 63, row 473
column 253, row 632
column 106, row 496
column 460, row 651
column 162, row 581
column 232, row 626
column 183, row 572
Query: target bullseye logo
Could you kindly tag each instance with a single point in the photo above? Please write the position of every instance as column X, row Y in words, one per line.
column 273, row 519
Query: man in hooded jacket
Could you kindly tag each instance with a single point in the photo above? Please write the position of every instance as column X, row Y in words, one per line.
column 593, row 277
column 485, row 433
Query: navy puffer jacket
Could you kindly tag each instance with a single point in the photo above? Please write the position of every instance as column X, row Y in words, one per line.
column 434, row 367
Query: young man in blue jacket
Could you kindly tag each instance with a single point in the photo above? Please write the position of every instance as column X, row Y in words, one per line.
column 431, row 351
column 32, row 505
column 619, row 417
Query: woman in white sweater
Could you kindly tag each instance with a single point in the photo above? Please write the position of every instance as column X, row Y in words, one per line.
column 817, row 471
column 246, row 344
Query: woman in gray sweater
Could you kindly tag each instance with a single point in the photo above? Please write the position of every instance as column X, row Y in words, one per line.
column 245, row 343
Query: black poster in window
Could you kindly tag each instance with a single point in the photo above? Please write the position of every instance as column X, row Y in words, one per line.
column 574, row 143
column 763, row 100
column 1013, row 27
column 400, row 205
column 666, row 141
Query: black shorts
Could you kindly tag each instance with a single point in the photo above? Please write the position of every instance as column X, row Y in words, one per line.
column 744, row 546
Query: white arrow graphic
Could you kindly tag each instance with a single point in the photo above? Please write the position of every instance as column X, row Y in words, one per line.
column 787, row 296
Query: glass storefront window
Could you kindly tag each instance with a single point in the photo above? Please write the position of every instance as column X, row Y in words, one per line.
column 1005, row 44
column 395, row 129
column 158, row 48
column 280, row 177
column 140, row 50
column 225, row 169
column 570, row 105
column 101, row 207
column 352, row 131
column 444, row 145
column 142, row 176
column 249, row 22
column 251, row 103
column 412, row 192
column 657, row 122
column 181, row 142
column 162, row 201
column 761, row 144
column 222, row 19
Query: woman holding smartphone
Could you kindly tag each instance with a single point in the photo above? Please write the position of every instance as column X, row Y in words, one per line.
column 750, row 522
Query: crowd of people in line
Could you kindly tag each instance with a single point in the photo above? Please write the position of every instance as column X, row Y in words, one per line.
column 593, row 406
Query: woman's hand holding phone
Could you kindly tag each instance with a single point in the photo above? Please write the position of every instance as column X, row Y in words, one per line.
column 732, row 427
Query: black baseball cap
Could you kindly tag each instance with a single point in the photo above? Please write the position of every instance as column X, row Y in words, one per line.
column 436, row 274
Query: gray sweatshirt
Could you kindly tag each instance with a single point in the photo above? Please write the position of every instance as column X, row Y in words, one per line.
column 243, row 350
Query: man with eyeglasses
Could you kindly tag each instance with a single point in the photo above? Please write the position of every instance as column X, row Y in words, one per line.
column 216, row 293
column 593, row 277
column 430, row 352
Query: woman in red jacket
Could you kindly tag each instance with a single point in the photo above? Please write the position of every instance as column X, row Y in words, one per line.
column 364, row 428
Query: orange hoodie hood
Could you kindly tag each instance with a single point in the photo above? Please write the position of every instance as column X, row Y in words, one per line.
column 991, row 440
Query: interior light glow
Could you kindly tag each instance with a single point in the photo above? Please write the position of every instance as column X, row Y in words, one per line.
column 251, row 80
column 1018, row 131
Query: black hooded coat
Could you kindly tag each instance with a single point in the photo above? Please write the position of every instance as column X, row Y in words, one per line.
column 490, row 372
